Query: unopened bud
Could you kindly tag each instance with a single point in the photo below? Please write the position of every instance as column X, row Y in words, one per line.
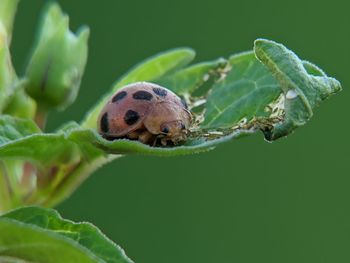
column 57, row 64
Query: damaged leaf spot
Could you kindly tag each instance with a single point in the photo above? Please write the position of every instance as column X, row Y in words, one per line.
column 291, row 94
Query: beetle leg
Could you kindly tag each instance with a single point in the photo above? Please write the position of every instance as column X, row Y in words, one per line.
column 179, row 139
column 163, row 141
column 146, row 137
column 134, row 135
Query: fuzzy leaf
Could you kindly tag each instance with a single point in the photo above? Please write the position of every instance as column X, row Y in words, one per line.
column 302, row 91
column 243, row 94
column 186, row 81
column 22, row 139
column 34, row 234
column 12, row 129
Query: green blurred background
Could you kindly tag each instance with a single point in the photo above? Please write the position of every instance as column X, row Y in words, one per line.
column 247, row 201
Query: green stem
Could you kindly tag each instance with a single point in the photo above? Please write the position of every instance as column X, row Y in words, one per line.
column 10, row 196
column 75, row 179
column 5, row 188
column 41, row 117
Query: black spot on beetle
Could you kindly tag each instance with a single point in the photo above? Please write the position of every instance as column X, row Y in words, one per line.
column 184, row 103
column 142, row 95
column 131, row 117
column 160, row 92
column 104, row 123
column 119, row 96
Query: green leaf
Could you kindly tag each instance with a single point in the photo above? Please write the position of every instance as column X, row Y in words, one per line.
column 22, row 139
column 302, row 91
column 188, row 80
column 12, row 129
column 157, row 66
column 20, row 242
column 149, row 70
column 244, row 94
column 34, row 234
column 125, row 146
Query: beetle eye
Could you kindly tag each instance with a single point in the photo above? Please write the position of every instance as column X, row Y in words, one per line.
column 165, row 130
column 183, row 126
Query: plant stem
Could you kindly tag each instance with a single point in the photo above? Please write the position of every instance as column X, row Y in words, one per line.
column 5, row 189
column 41, row 117
column 79, row 175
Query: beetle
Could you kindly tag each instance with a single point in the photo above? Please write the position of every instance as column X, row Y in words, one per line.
column 146, row 112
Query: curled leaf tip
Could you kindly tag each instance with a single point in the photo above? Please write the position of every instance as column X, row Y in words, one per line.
column 303, row 84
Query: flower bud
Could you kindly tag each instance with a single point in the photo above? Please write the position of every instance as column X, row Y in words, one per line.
column 57, row 64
